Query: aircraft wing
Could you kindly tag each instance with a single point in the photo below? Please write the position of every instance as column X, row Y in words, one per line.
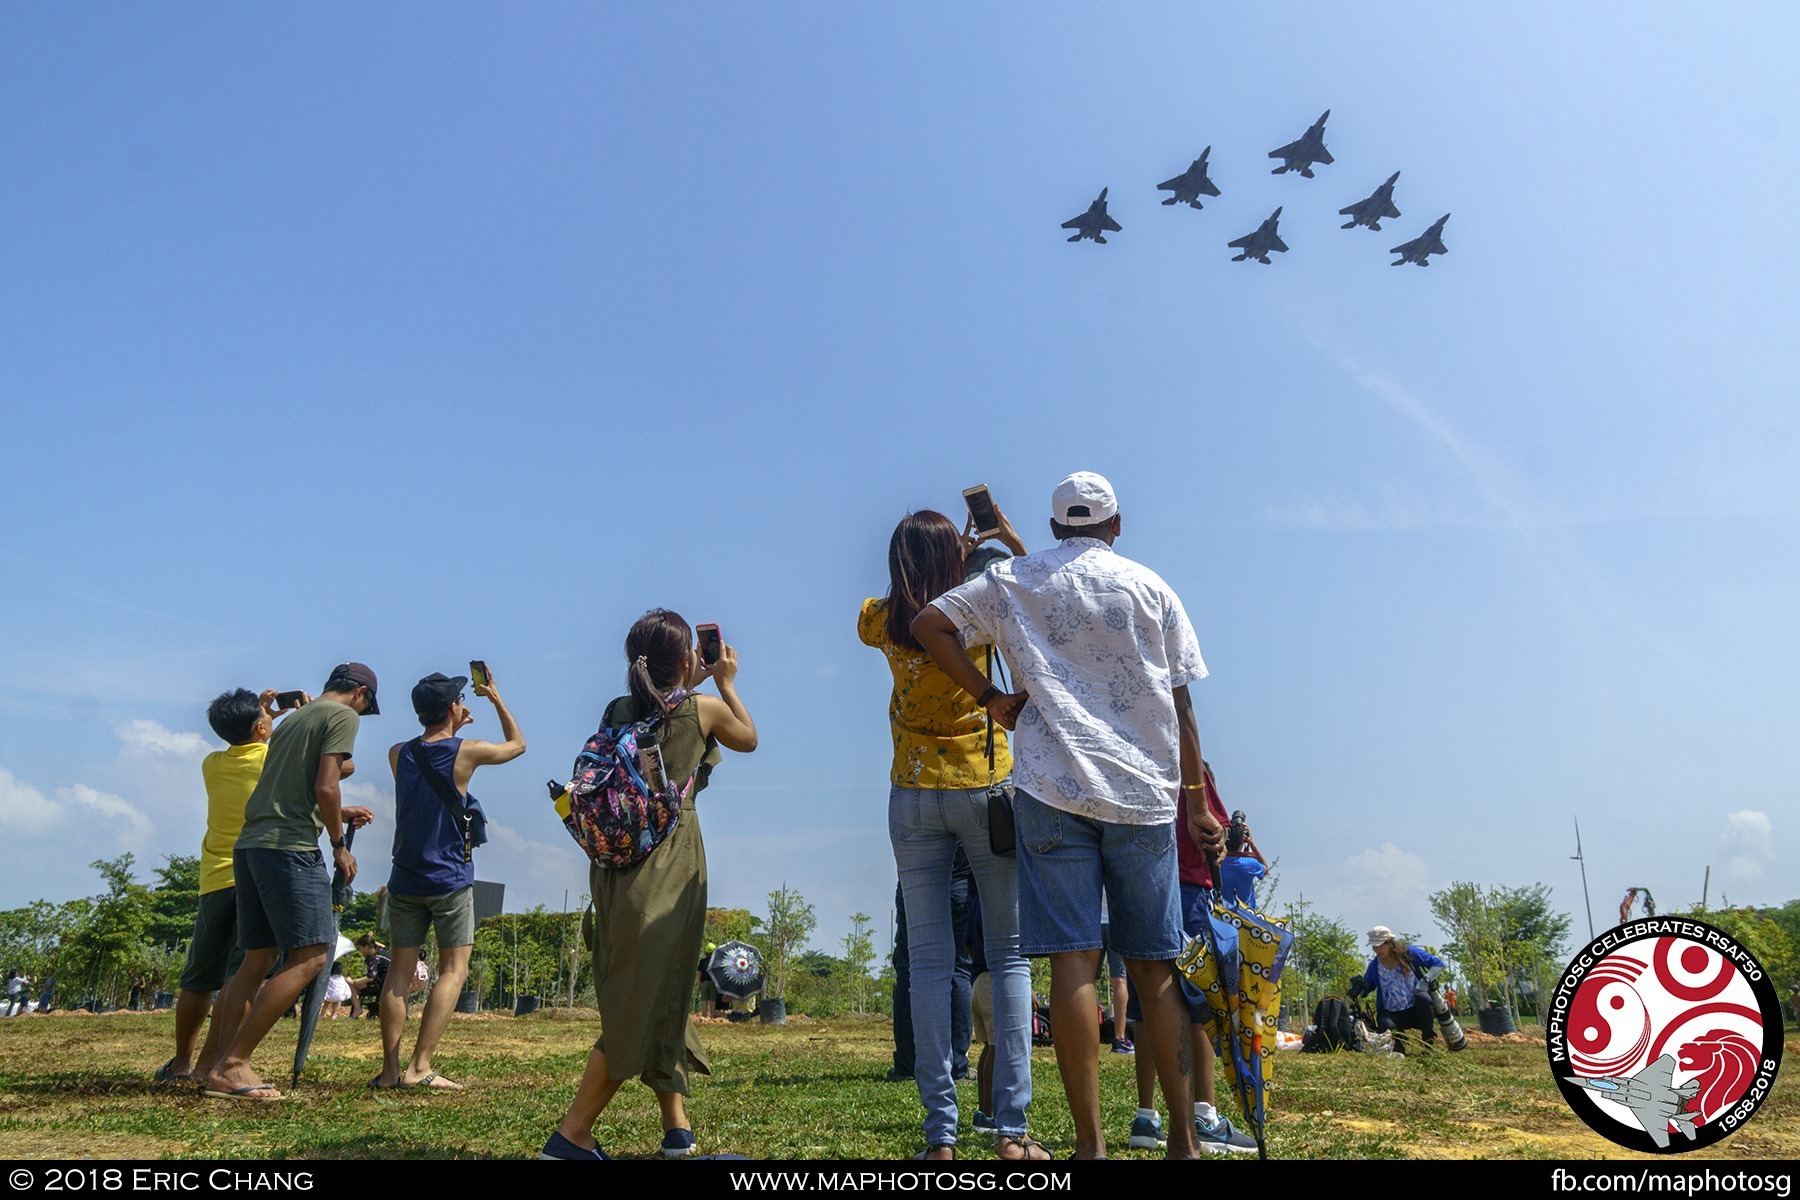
column 1402, row 248
column 1438, row 247
column 1286, row 151
column 1208, row 188
column 1242, row 243
column 1355, row 210
column 1391, row 211
column 1110, row 225
column 1655, row 1123
column 1171, row 185
column 1073, row 222
column 1275, row 243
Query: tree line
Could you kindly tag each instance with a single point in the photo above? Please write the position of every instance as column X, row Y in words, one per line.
column 1508, row 945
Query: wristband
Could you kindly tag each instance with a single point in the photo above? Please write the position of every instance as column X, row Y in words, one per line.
column 337, row 843
column 986, row 698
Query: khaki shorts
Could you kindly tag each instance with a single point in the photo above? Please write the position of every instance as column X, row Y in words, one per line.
column 981, row 1005
column 452, row 914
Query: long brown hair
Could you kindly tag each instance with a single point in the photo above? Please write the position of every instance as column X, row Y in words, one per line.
column 925, row 560
column 657, row 648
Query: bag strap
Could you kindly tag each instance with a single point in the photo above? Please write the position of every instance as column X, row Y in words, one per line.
column 446, row 793
column 990, row 715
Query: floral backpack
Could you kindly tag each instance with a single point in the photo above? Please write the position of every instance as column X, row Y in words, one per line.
column 613, row 812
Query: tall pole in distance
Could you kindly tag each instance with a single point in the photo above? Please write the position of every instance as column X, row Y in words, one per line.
column 1577, row 856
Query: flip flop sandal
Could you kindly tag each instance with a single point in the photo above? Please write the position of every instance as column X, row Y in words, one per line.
column 1026, row 1146
column 165, row 1075
column 243, row 1093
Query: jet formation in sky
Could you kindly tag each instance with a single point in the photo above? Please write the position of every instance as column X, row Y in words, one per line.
column 1299, row 156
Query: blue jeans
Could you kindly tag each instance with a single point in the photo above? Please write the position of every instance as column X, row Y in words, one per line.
column 926, row 826
column 962, row 979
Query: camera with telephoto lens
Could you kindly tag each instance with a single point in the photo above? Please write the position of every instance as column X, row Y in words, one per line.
column 1237, row 833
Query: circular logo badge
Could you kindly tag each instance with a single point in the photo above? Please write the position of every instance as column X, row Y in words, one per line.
column 1664, row 1034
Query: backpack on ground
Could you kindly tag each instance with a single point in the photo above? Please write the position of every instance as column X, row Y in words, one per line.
column 613, row 813
column 1332, row 1028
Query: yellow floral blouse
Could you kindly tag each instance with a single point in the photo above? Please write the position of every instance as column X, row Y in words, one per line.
column 940, row 735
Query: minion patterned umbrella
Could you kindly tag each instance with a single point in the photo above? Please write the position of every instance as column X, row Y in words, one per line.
column 1237, row 964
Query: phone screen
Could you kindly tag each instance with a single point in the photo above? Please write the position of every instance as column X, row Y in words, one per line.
column 289, row 699
column 478, row 672
column 981, row 507
column 710, row 643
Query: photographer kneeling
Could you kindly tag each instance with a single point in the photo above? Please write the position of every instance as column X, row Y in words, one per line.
column 1400, row 976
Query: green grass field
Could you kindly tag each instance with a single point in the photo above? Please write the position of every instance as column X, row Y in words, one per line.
column 80, row 1086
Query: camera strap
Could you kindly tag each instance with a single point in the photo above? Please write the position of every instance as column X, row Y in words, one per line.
column 447, row 794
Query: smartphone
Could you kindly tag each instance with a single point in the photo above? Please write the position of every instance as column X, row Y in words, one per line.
column 981, row 509
column 286, row 700
column 478, row 673
column 711, row 643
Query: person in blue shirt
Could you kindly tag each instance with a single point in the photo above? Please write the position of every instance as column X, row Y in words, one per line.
column 1244, row 864
column 437, row 826
column 1401, row 978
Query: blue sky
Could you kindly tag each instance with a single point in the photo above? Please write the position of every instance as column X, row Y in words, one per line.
column 428, row 332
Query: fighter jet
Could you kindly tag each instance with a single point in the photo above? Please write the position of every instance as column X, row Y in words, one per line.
column 1652, row 1098
column 1301, row 155
column 1422, row 247
column 1191, row 184
column 1257, row 245
column 1093, row 222
column 1379, row 204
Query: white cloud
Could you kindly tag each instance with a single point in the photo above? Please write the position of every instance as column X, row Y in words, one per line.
column 152, row 737
column 1749, row 839
column 129, row 825
column 24, row 809
column 1390, row 873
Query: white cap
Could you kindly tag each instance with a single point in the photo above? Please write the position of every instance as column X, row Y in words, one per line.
column 1380, row 934
column 1083, row 489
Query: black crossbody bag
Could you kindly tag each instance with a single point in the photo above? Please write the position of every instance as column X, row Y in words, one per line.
column 470, row 820
column 1002, row 839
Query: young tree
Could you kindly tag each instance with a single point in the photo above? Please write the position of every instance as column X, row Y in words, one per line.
column 790, row 922
column 175, row 900
column 859, row 956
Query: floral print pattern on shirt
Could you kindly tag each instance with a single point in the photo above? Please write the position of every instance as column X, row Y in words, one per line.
column 939, row 733
column 1101, row 643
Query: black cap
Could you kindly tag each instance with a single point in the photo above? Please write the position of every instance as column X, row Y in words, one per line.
column 360, row 675
column 435, row 692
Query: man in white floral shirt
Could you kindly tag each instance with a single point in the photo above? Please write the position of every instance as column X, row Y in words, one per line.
column 1103, row 654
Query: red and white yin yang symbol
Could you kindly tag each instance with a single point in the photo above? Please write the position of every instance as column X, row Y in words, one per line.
column 1669, row 995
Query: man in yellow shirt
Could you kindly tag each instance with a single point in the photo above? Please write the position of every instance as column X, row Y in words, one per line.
column 244, row 721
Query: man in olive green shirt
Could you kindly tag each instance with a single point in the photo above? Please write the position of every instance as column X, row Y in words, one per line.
column 283, row 887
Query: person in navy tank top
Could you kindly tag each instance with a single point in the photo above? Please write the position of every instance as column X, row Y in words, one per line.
column 437, row 825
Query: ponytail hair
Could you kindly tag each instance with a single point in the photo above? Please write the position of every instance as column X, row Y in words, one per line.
column 657, row 648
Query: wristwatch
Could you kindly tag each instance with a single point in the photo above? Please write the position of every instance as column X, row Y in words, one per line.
column 337, row 843
column 987, row 697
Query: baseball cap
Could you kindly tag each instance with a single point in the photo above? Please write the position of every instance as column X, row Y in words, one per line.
column 359, row 674
column 1380, row 934
column 1084, row 498
column 436, row 691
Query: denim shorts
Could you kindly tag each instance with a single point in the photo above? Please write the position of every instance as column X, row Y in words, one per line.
column 1066, row 861
column 283, row 898
column 1196, row 907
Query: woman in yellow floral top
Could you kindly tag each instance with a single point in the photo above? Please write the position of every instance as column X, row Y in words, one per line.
column 937, row 802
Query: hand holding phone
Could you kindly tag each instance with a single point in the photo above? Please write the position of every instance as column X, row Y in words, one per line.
column 482, row 678
column 288, row 701
column 712, row 643
column 982, row 512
